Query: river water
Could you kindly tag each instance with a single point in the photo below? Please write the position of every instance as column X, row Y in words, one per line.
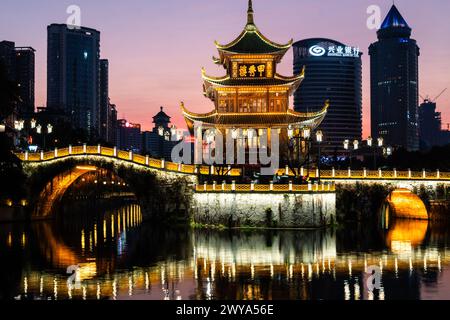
column 117, row 256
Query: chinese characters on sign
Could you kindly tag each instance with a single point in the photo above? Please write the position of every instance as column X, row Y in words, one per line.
column 252, row 70
column 335, row 51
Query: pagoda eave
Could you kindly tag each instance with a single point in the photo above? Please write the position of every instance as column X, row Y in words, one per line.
column 274, row 120
column 278, row 82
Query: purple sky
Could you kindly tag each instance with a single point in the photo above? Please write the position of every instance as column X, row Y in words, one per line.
column 156, row 48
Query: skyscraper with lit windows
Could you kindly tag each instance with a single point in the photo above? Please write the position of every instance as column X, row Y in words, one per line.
column 73, row 79
column 394, row 65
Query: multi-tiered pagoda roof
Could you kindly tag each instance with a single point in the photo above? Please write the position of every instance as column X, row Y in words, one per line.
column 250, row 61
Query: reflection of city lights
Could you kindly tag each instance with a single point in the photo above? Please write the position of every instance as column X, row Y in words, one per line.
column 439, row 263
column 99, row 291
column 130, row 286
column 350, row 268
column 9, row 241
column 84, row 292
column 114, row 289
column 346, row 290
column 25, row 285
column 357, row 290
column 382, row 293
column 41, row 285
column 147, row 282
column 55, row 288
column 82, row 240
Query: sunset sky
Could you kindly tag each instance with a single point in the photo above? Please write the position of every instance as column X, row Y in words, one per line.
column 157, row 48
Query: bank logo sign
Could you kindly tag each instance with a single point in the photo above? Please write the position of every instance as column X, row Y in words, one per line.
column 334, row 51
column 317, row 51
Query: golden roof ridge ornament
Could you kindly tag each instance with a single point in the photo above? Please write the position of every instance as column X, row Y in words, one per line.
column 251, row 28
column 250, row 13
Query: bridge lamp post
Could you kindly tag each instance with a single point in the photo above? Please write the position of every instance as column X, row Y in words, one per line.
column 370, row 145
column 39, row 131
column 319, row 139
column 347, row 148
column 173, row 132
column 303, row 136
column 306, row 134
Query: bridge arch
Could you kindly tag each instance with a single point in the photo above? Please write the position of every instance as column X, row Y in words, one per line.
column 159, row 193
column 403, row 203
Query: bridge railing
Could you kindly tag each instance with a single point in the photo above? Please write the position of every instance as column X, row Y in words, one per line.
column 265, row 188
column 125, row 156
column 221, row 171
column 365, row 174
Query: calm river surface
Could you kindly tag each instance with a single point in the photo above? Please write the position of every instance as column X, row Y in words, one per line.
column 119, row 257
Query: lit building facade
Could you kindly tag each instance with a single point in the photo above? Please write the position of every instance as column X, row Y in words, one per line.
column 105, row 111
column 394, row 67
column 252, row 95
column 334, row 71
column 129, row 136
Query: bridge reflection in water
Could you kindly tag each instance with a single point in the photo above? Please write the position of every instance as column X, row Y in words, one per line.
column 121, row 258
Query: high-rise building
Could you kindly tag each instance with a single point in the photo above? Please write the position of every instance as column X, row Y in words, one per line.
column 394, row 67
column 25, row 79
column 7, row 57
column 104, row 100
column 73, row 67
column 333, row 71
column 20, row 65
column 129, row 136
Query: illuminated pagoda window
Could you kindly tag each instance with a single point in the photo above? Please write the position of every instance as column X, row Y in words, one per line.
column 252, row 95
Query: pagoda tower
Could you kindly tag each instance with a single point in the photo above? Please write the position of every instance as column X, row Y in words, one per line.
column 252, row 95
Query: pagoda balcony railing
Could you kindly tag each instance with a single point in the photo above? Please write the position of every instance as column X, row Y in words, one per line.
column 265, row 188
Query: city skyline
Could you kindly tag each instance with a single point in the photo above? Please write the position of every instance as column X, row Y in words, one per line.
column 153, row 63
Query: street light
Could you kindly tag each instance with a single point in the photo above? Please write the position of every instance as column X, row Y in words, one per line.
column 234, row 133
column 370, row 141
column 380, row 142
column 356, row 145
column 173, row 130
column 306, row 133
column 19, row 125
column 319, row 139
column 39, row 131
column 346, row 144
column 290, row 131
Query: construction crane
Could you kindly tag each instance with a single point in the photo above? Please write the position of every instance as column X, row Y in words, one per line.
column 427, row 99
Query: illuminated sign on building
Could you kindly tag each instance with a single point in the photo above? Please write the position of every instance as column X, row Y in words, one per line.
column 334, row 51
column 248, row 70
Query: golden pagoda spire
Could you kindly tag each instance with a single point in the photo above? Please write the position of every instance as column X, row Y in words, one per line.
column 250, row 12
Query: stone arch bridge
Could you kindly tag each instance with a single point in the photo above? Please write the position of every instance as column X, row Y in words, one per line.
column 161, row 186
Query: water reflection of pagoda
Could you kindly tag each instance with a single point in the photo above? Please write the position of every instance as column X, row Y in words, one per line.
column 252, row 95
